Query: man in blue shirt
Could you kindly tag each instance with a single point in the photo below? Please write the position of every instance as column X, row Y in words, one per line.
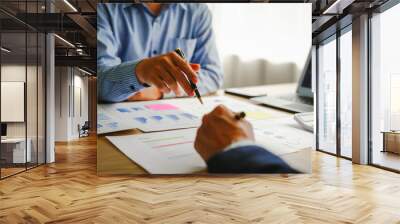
column 136, row 62
column 135, row 44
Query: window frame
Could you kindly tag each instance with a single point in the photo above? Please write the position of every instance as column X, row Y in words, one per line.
column 333, row 37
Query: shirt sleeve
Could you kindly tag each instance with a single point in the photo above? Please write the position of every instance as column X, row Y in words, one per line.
column 116, row 81
column 206, row 54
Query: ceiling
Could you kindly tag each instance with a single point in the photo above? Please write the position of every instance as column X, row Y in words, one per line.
column 76, row 23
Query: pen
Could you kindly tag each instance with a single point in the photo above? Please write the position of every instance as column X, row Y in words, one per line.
column 240, row 115
column 194, row 86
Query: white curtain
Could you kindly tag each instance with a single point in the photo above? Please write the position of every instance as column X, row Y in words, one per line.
column 261, row 43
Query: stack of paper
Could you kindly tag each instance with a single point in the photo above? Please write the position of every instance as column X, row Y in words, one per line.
column 173, row 152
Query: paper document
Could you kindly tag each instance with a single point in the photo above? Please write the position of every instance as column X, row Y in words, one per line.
column 170, row 152
column 282, row 133
column 108, row 122
column 147, row 116
column 162, row 115
column 253, row 112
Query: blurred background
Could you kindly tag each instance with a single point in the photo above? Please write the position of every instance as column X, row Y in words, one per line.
column 262, row 43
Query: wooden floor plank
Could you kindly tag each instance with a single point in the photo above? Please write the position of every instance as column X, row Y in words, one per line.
column 69, row 191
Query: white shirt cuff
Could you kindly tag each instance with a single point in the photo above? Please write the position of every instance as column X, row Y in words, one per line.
column 242, row 143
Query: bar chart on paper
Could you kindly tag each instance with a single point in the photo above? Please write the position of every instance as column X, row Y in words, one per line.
column 169, row 152
column 169, row 114
column 147, row 116
column 108, row 122
column 253, row 112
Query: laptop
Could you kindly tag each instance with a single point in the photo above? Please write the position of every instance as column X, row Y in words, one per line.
column 3, row 131
column 301, row 101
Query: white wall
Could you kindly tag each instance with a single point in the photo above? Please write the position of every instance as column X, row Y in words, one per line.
column 70, row 83
column 262, row 43
column 62, row 81
column 80, row 101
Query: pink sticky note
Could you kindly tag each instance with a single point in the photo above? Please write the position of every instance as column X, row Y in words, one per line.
column 161, row 107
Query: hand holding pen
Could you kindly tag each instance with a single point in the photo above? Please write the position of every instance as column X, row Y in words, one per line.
column 219, row 129
column 168, row 72
column 240, row 115
column 193, row 85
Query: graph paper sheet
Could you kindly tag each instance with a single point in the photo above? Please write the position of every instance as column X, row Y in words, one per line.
column 169, row 152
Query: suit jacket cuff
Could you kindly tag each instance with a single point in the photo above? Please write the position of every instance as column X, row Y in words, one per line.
column 248, row 159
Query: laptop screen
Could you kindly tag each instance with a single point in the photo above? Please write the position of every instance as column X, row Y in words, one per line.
column 3, row 129
column 304, row 85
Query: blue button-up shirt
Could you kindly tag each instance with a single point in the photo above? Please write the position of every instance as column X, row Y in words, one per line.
column 128, row 33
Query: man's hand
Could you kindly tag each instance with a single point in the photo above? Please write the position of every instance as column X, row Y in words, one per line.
column 167, row 72
column 218, row 130
column 150, row 93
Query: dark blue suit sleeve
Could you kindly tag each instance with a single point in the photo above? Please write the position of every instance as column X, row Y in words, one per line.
column 248, row 159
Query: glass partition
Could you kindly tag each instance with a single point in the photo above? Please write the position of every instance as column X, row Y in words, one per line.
column 327, row 96
column 31, row 97
column 22, row 90
column 15, row 148
column 41, row 97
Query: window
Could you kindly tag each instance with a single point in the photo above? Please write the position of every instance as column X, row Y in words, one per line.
column 327, row 96
column 385, row 89
column 334, row 106
column 346, row 93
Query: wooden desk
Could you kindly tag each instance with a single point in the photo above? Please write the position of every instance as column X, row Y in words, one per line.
column 391, row 141
column 111, row 161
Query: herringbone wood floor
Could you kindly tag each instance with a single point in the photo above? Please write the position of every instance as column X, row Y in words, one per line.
column 70, row 192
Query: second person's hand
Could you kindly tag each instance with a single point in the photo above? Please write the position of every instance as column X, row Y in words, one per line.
column 167, row 72
column 218, row 130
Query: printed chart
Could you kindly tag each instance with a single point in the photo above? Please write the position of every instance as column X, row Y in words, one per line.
column 282, row 135
column 253, row 112
column 172, row 152
column 170, row 114
column 147, row 116
column 107, row 122
column 169, row 152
